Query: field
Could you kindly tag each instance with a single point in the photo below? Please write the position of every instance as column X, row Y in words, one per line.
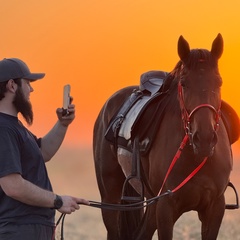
column 72, row 173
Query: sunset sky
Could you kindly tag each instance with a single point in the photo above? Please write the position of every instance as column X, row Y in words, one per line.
column 101, row 46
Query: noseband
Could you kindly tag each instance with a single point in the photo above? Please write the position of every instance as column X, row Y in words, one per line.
column 186, row 117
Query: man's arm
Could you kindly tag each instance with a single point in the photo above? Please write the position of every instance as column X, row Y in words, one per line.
column 51, row 142
column 19, row 189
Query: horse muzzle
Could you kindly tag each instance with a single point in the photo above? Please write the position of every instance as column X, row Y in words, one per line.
column 203, row 146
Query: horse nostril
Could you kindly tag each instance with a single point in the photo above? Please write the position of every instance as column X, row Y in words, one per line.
column 196, row 139
column 204, row 144
column 201, row 140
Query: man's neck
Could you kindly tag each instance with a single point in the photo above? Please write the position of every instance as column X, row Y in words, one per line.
column 8, row 108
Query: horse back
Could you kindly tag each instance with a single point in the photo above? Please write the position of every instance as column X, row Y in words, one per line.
column 112, row 105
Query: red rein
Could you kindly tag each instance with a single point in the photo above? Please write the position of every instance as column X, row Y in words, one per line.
column 176, row 157
column 186, row 117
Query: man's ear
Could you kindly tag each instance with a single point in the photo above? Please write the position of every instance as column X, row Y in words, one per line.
column 11, row 86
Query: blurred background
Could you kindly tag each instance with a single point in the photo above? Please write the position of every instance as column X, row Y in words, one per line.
column 99, row 47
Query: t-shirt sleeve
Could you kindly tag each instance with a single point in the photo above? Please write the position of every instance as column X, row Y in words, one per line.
column 9, row 152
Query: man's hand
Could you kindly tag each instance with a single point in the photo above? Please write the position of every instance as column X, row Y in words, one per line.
column 65, row 120
column 71, row 204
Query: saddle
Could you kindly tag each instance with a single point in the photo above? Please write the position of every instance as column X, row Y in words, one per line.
column 138, row 113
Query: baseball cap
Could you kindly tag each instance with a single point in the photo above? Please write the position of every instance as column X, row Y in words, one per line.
column 13, row 68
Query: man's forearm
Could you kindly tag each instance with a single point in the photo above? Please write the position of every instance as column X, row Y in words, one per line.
column 24, row 191
column 53, row 140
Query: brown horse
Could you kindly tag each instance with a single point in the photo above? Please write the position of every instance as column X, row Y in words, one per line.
column 192, row 119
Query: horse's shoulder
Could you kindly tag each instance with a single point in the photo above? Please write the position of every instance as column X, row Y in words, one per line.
column 114, row 102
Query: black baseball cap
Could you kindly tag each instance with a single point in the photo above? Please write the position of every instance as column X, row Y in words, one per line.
column 14, row 68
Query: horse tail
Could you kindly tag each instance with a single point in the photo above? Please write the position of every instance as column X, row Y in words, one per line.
column 129, row 221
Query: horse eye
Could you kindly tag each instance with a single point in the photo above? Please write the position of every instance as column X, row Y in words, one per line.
column 216, row 90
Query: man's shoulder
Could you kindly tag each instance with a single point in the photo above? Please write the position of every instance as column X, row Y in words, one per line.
column 6, row 119
column 10, row 125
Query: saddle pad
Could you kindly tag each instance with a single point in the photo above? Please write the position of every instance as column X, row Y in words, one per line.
column 132, row 115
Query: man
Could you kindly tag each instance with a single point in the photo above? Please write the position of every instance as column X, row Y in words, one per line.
column 27, row 202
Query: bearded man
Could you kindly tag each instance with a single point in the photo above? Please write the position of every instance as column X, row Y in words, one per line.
column 27, row 201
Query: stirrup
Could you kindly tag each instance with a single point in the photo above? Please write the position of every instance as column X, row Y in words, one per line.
column 138, row 197
column 233, row 206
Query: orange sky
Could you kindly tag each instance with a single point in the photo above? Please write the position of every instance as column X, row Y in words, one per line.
column 101, row 46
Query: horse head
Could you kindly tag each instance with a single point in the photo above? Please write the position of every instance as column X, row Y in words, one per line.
column 199, row 92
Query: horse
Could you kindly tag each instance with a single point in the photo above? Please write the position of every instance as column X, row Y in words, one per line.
column 191, row 126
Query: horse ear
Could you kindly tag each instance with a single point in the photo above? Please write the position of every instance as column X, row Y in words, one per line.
column 217, row 46
column 183, row 48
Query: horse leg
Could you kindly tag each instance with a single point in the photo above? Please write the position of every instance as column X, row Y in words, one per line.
column 110, row 222
column 110, row 180
column 148, row 224
column 166, row 216
column 211, row 219
column 111, row 194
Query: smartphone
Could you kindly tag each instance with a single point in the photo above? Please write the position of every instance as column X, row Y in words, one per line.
column 66, row 99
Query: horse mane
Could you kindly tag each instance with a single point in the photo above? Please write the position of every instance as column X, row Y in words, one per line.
column 197, row 58
column 200, row 57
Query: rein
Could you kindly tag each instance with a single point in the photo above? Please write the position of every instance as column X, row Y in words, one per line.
column 176, row 157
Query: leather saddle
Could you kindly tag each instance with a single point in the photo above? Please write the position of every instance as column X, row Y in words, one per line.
column 149, row 97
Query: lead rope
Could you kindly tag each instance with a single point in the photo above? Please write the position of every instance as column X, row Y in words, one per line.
column 61, row 218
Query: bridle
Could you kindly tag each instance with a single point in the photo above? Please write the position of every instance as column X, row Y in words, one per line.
column 186, row 116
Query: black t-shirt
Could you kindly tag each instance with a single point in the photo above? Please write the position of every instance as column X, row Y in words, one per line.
column 20, row 153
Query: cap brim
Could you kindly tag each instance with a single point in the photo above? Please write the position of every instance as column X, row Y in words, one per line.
column 34, row 76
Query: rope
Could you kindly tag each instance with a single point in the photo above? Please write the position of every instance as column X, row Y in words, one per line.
column 109, row 206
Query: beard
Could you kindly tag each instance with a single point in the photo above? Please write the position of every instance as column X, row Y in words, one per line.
column 23, row 106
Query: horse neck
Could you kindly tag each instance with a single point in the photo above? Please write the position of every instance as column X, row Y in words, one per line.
column 173, row 119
